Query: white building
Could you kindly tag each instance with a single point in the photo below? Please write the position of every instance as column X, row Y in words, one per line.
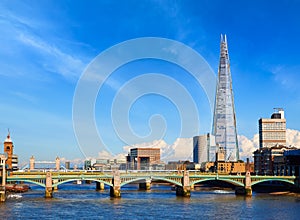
column 272, row 131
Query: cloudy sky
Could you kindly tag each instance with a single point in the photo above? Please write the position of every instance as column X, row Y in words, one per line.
column 47, row 45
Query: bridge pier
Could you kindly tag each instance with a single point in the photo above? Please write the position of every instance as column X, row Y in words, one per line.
column 99, row 186
column 185, row 189
column 2, row 187
column 247, row 189
column 115, row 190
column 145, row 185
column 2, row 194
column 55, row 188
column 48, row 188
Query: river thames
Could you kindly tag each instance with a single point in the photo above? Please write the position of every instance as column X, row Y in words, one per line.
column 73, row 201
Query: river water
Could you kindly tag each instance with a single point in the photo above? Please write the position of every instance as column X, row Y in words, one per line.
column 73, row 201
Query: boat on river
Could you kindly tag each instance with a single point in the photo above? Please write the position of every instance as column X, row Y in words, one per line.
column 20, row 188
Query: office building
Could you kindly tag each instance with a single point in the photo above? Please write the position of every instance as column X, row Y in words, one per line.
column 204, row 148
column 272, row 131
column 224, row 124
column 143, row 158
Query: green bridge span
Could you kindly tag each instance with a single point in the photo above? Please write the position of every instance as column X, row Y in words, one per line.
column 183, row 180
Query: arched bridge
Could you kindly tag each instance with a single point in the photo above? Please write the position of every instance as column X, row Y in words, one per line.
column 184, row 180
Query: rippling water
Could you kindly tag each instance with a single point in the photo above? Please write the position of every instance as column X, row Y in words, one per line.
column 82, row 201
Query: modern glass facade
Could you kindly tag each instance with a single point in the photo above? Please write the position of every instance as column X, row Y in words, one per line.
column 224, row 125
column 204, row 148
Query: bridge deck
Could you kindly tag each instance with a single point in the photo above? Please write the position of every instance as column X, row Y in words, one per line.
column 173, row 177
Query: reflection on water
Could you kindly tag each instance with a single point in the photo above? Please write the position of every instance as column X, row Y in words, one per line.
column 83, row 201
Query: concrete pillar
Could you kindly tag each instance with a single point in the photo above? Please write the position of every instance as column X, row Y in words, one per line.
column 99, row 186
column 2, row 194
column 57, row 163
column 248, row 188
column 48, row 188
column 55, row 187
column 2, row 187
column 185, row 189
column 115, row 190
column 31, row 163
column 2, row 164
column 145, row 185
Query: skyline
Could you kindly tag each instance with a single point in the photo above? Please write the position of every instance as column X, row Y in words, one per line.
column 44, row 52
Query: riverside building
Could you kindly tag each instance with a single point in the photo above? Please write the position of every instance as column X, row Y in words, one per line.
column 272, row 131
column 224, row 124
column 143, row 158
column 272, row 143
column 204, row 148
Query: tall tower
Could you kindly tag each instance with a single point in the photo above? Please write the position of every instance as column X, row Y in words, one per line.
column 224, row 125
column 201, row 146
column 9, row 149
column 272, row 131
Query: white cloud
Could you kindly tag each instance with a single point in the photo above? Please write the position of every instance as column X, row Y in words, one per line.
column 286, row 76
column 248, row 146
column 182, row 148
column 293, row 138
column 62, row 63
column 25, row 96
column 21, row 34
column 104, row 154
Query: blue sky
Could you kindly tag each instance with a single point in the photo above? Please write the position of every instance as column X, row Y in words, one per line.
column 46, row 46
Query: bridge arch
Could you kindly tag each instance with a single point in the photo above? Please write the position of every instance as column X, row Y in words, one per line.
column 151, row 178
column 168, row 180
column 132, row 181
column 233, row 182
column 30, row 181
column 75, row 179
column 268, row 180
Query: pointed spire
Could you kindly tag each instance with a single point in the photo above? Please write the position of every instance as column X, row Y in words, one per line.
column 224, row 127
column 224, row 48
column 223, row 38
column 8, row 137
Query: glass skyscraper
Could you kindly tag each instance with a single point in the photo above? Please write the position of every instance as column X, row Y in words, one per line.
column 224, row 125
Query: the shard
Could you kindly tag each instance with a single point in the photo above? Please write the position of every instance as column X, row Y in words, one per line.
column 224, row 125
